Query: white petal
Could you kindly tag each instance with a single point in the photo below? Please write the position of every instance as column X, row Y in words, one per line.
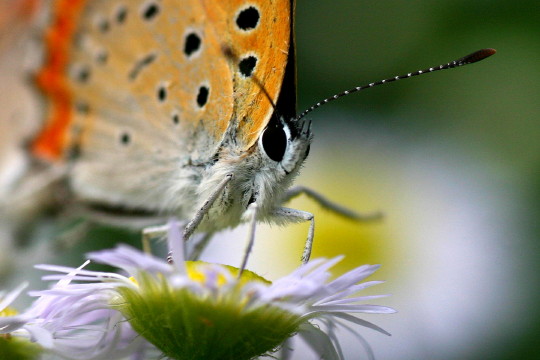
column 12, row 323
column 351, row 290
column 318, row 341
column 352, row 277
column 363, row 342
column 368, row 309
column 352, row 300
column 176, row 246
column 360, row 322
column 12, row 295
column 40, row 335
column 131, row 260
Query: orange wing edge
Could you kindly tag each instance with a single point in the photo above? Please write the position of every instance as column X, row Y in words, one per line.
column 51, row 80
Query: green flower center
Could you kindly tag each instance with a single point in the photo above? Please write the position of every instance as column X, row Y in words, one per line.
column 220, row 325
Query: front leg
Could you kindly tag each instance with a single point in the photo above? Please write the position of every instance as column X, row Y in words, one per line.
column 199, row 215
column 330, row 205
column 251, row 216
column 295, row 216
column 190, row 228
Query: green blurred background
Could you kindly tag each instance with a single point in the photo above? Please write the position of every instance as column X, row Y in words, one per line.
column 452, row 159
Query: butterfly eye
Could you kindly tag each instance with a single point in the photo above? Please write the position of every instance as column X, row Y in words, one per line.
column 274, row 142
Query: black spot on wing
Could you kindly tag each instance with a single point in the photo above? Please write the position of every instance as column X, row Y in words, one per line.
column 247, row 65
column 248, row 19
column 202, row 96
column 150, row 11
column 192, row 44
column 141, row 64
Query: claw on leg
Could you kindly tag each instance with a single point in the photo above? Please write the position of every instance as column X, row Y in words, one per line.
column 294, row 216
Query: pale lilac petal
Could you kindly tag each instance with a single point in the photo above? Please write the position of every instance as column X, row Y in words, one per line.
column 331, row 332
column 9, row 324
column 321, row 271
column 176, row 246
column 130, row 260
column 305, row 269
column 83, row 274
column 349, row 300
column 318, row 341
column 11, row 296
column 41, row 336
column 351, row 290
column 295, row 288
column 352, row 277
column 363, row 342
column 361, row 322
column 368, row 309
column 286, row 349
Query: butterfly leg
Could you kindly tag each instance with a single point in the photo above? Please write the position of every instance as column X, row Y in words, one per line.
column 330, row 205
column 199, row 215
column 295, row 216
column 199, row 247
column 251, row 216
column 154, row 231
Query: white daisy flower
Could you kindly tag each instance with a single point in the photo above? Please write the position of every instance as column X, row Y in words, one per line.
column 14, row 347
column 199, row 310
column 72, row 321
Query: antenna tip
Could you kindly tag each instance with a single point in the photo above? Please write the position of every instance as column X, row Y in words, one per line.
column 478, row 56
column 485, row 53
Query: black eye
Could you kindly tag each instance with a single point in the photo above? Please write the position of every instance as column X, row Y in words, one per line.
column 274, row 142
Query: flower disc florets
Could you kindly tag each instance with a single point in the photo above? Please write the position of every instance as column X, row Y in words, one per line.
column 208, row 315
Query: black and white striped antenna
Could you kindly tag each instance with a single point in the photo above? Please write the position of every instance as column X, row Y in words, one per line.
column 466, row 60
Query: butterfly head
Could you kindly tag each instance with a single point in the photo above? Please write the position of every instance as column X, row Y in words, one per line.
column 285, row 144
column 264, row 172
column 282, row 148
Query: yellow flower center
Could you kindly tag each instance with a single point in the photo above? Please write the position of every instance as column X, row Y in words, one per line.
column 8, row 311
column 195, row 271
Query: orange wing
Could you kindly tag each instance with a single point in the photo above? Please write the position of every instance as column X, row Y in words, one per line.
column 104, row 58
column 51, row 79
column 259, row 34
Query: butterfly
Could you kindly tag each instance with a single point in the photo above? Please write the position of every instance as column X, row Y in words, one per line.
column 182, row 108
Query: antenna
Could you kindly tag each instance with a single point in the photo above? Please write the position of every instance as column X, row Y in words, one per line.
column 231, row 55
column 466, row 60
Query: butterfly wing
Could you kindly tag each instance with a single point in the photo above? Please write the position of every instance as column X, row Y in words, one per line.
column 259, row 36
column 142, row 91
